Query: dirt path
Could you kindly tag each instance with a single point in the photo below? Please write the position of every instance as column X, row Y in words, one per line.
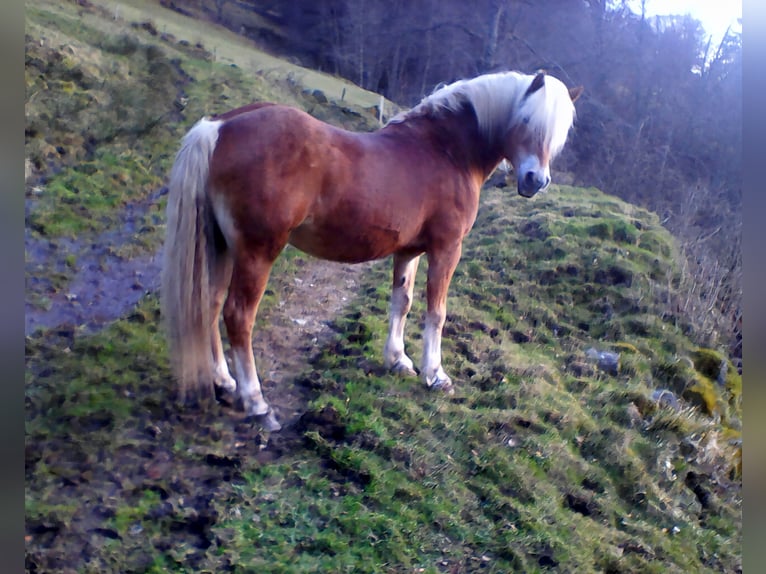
column 288, row 336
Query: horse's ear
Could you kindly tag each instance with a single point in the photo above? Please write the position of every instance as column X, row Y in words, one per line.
column 575, row 93
column 537, row 83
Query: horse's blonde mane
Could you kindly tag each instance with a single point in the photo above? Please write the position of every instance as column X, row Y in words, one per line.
column 500, row 103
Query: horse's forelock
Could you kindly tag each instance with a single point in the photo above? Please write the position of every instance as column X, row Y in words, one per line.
column 494, row 98
column 549, row 113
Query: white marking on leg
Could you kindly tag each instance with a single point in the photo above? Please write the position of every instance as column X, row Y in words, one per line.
column 393, row 353
column 432, row 354
column 223, row 378
column 221, row 375
column 432, row 372
column 248, row 384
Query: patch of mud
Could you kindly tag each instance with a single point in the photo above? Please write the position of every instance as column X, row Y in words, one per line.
column 104, row 285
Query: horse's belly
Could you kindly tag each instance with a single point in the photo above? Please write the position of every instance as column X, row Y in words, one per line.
column 345, row 243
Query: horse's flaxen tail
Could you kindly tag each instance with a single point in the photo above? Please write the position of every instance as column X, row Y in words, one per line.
column 187, row 260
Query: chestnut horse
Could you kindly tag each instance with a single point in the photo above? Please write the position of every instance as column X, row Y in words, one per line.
column 248, row 182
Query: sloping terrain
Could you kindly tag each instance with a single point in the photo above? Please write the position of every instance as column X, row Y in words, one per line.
column 551, row 456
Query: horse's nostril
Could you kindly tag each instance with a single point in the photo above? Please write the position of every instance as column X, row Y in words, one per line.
column 534, row 180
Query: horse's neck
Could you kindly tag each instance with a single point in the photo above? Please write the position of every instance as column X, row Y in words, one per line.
column 455, row 135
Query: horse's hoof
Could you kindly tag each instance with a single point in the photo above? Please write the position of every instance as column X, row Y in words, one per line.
column 269, row 421
column 225, row 396
column 404, row 370
column 444, row 385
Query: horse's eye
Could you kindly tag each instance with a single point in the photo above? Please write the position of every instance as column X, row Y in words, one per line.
column 526, row 120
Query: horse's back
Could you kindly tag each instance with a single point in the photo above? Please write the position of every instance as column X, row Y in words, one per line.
column 286, row 176
column 280, row 142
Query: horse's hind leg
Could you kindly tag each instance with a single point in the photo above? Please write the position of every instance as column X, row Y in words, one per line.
column 248, row 282
column 394, row 357
column 219, row 283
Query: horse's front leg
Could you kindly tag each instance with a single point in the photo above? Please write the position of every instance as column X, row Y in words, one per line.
column 248, row 282
column 441, row 266
column 394, row 357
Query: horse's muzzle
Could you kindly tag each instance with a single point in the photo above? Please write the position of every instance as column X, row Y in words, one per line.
column 532, row 182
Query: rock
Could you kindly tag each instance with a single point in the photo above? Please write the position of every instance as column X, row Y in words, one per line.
column 667, row 398
column 607, row 361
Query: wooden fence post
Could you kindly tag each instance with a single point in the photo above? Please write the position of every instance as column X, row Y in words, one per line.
column 380, row 110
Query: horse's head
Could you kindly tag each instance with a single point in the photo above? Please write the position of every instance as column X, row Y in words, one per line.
column 538, row 131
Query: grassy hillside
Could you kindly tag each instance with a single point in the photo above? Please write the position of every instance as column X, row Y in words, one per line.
column 545, row 460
